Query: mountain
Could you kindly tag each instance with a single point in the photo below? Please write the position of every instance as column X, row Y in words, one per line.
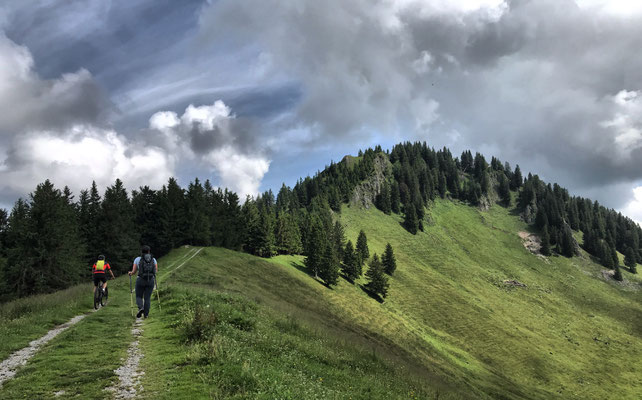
column 473, row 308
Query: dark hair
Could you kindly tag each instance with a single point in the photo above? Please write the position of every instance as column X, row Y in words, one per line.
column 146, row 249
column 101, row 257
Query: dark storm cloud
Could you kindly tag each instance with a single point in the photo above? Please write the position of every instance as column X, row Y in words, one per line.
column 534, row 82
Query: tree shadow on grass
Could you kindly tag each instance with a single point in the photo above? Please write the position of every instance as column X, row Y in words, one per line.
column 309, row 273
column 371, row 294
column 344, row 276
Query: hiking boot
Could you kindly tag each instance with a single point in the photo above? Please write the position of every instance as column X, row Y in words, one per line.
column 140, row 313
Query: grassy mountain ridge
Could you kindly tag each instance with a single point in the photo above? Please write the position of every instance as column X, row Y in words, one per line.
column 450, row 327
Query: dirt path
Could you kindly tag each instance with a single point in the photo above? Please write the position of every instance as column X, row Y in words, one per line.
column 19, row 358
column 128, row 374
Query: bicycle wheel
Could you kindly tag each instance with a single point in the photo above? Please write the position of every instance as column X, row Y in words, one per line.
column 102, row 297
column 96, row 299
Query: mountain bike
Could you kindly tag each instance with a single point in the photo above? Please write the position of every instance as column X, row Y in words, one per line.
column 100, row 297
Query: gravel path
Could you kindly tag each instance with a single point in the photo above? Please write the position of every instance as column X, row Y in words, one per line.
column 16, row 360
column 128, row 374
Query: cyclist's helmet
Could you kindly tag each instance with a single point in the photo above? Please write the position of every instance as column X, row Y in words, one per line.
column 101, row 257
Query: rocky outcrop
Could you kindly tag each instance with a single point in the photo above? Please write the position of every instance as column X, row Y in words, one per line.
column 365, row 193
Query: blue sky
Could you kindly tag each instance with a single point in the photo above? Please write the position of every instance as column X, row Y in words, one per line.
column 254, row 93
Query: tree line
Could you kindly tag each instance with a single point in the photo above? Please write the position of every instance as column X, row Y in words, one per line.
column 48, row 241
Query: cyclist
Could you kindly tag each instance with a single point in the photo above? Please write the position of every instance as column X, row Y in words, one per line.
column 98, row 270
column 147, row 268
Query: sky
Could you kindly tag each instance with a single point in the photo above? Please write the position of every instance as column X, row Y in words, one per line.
column 255, row 93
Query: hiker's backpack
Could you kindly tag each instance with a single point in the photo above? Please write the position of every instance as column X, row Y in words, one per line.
column 146, row 266
column 100, row 265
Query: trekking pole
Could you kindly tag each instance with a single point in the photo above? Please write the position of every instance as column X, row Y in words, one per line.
column 157, row 294
column 131, row 300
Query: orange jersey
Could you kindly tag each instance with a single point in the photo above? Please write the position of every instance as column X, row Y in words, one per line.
column 99, row 271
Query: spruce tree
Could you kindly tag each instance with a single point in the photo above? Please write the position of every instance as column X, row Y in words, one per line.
column 388, row 260
column 617, row 275
column 517, row 180
column 350, row 263
column 362, row 247
column 377, row 280
column 546, row 242
column 19, row 271
column 315, row 245
column 288, row 237
column 630, row 259
column 504, row 189
column 119, row 235
column 197, row 221
column 338, row 239
column 568, row 247
column 410, row 222
column 394, row 198
column 329, row 267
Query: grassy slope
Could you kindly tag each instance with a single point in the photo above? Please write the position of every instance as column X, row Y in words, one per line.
column 548, row 339
column 449, row 323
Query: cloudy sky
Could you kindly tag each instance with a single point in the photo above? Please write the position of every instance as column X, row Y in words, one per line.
column 253, row 93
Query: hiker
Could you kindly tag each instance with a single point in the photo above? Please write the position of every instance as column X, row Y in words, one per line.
column 98, row 270
column 147, row 267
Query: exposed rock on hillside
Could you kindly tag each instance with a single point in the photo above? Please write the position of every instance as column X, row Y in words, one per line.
column 364, row 194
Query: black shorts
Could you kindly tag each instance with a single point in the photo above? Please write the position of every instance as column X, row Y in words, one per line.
column 99, row 278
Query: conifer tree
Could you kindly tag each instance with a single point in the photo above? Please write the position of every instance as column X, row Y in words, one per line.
column 546, row 242
column 384, row 202
column 410, row 222
column 568, row 248
column 394, row 198
column 146, row 209
column 338, row 239
column 504, row 189
column 630, row 260
column 388, row 260
column 119, row 235
column 362, row 247
column 197, row 220
column 516, row 181
column 606, row 257
column 617, row 274
column 315, row 245
column 351, row 268
column 329, row 268
column 377, row 280
column 288, row 237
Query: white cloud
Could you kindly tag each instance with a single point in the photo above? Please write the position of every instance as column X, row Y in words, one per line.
column 626, row 121
column 79, row 155
column 634, row 208
column 205, row 133
column 241, row 173
column 624, row 8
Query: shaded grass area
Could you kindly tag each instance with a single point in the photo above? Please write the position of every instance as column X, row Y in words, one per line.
column 79, row 362
column 209, row 344
column 448, row 302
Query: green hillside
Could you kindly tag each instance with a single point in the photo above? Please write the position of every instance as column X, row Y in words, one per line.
column 238, row 326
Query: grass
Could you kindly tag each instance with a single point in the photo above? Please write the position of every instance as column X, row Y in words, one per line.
column 236, row 326
column 546, row 340
column 81, row 360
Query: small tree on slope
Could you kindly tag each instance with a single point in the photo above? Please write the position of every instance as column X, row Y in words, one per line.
column 377, row 280
column 362, row 248
column 630, row 260
column 546, row 242
column 350, row 263
column 388, row 260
